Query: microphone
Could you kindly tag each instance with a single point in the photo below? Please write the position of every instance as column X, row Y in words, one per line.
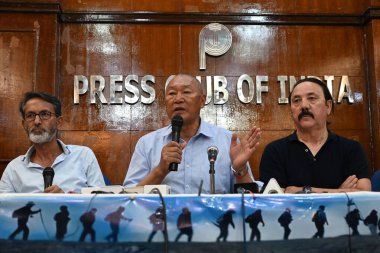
column 48, row 174
column 177, row 123
column 163, row 216
column 212, row 153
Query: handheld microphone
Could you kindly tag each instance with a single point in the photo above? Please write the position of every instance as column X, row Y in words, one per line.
column 48, row 174
column 177, row 123
column 212, row 153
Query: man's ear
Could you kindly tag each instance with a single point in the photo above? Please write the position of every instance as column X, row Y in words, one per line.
column 59, row 121
column 329, row 106
column 203, row 98
column 23, row 124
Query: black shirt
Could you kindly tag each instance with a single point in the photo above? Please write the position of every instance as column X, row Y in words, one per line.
column 291, row 163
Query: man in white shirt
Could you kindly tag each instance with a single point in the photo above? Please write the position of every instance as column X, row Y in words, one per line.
column 74, row 166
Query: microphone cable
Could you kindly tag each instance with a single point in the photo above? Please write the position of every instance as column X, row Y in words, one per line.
column 200, row 188
column 166, row 238
column 349, row 203
column 242, row 191
column 44, row 226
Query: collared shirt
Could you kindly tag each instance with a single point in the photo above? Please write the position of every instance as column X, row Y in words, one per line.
column 75, row 168
column 291, row 163
column 194, row 166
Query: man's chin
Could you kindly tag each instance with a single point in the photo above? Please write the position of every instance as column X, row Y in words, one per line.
column 178, row 113
column 305, row 124
column 39, row 139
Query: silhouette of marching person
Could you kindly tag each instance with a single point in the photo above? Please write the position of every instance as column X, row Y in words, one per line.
column 88, row 219
column 22, row 214
column 184, row 224
column 114, row 220
column 285, row 219
column 157, row 221
column 62, row 219
column 223, row 222
column 371, row 221
column 319, row 219
column 253, row 220
column 352, row 219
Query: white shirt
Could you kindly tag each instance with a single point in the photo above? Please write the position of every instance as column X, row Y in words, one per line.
column 75, row 168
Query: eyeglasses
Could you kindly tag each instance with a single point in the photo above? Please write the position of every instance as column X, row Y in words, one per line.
column 44, row 115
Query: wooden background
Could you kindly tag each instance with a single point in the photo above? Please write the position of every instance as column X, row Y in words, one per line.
column 43, row 44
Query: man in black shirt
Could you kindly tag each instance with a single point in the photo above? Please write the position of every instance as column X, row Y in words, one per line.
column 313, row 159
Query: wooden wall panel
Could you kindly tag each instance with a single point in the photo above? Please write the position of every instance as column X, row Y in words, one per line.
column 28, row 58
column 119, row 41
column 17, row 75
column 244, row 6
column 373, row 38
column 112, row 149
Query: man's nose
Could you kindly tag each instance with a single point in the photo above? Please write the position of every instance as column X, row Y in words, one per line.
column 305, row 104
column 178, row 97
column 37, row 120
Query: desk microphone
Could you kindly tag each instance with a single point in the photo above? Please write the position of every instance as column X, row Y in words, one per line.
column 48, row 174
column 212, row 153
column 177, row 123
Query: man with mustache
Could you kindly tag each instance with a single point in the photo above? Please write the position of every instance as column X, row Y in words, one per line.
column 314, row 159
column 155, row 151
column 74, row 166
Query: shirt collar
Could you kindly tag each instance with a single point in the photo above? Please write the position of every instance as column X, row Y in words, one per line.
column 293, row 137
column 30, row 151
column 204, row 129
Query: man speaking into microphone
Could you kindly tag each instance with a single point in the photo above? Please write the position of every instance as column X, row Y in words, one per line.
column 155, row 151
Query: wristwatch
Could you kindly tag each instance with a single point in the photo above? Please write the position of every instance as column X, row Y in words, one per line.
column 307, row 189
column 241, row 173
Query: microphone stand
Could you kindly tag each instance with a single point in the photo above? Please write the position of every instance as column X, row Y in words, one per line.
column 243, row 214
column 212, row 177
column 166, row 238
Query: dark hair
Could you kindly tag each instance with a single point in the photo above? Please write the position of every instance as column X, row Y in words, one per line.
column 323, row 85
column 44, row 96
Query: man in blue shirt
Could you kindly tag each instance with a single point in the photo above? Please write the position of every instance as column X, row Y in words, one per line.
column 155, row 151
column 74, row 166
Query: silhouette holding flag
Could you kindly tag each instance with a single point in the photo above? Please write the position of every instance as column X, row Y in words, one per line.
column 352, row 219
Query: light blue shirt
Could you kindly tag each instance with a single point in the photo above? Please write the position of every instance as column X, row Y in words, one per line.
column 194, row 166
column 75, row 168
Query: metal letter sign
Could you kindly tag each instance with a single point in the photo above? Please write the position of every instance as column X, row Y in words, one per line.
column 214, row 39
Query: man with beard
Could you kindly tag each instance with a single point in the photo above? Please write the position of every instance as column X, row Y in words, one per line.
column 74, row 166
column 155, row 151
column 314, row 159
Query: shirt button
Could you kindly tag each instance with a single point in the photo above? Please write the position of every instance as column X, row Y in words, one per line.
column 306, row 150
column 314, row 159
column 187, row 166
column 187, row 186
